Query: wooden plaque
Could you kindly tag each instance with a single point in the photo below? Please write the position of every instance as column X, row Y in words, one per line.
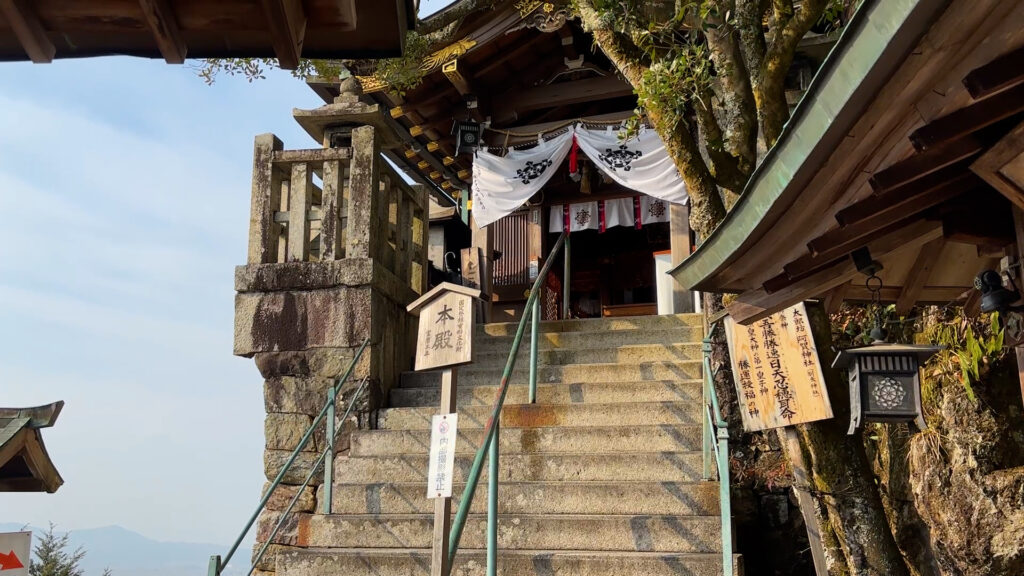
column 445, row 335
column 471, row 267
column 777, row 371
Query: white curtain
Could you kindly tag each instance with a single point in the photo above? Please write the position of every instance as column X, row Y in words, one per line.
column 586, row 215
column 653, row 210
column 502, row 184
column 618, row 212
column 641, row 163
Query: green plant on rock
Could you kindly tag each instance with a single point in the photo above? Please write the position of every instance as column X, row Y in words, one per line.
column 971, row 347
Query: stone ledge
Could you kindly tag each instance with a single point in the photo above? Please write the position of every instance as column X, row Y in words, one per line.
column 300, row 276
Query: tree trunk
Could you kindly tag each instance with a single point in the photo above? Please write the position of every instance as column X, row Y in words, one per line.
column 852, row 521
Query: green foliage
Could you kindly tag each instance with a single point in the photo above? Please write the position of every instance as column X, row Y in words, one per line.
column 255, row 68
column 971, row 347
column 53, row 557
column 405, row 73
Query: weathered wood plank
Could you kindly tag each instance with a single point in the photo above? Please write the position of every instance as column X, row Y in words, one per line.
column 918, row 275
column 969, row 119
column 286, row 21
column 22, row 19
column 164, row 26
column 312, row 156
column 998, row 74
column 923, row 164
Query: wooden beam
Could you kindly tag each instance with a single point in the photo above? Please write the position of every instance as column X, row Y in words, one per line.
column 286, row 21
column 967, row 228
column 164, row 26
column 842, row 241
column 969, row 119
column 928, row 295
column 833, row 299
column 878, row 202
column 918, row 276
column 560, row 94
column 494, row 63
column 30, row 32
column 1002, row 166
column 998, row 74
column 925, row 163
column 457, row 75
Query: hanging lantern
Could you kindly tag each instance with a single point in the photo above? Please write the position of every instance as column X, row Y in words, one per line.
column 467, row 136
column 885, row 382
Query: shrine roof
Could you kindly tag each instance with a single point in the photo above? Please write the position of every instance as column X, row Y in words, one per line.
column 175, row 29
column 883, row 153
column 25, row 465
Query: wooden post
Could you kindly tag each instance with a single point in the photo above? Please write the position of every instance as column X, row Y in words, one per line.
column 266, row 199
column 1018, row 226
column 679, row 225
column 443, row 506
column 800, row 485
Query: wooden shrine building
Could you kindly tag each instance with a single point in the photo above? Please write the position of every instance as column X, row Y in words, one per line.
column 25, row 465
column 174, row 30
column 526, row 70
column 907, row 152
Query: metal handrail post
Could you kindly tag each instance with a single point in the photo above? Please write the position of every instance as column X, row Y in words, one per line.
column 288, row 464
column 473, row 478
column 534, row 329
column 492, row 503
column 332, row 397
column 706, row 434
column 566, row 271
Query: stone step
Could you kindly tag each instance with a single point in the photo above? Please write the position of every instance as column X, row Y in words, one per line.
column 547, row 415
column 627, row 353
column 472, row 375
column 538, row 467
column 634, row 498
column 404, row 562
column 577, row 393
column 584, row 340
column 599, row 324
column 562, row 440
column 524, row 532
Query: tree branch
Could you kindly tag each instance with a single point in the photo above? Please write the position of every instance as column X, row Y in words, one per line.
column 724, row 166
column 771, row 95
column 735, row 95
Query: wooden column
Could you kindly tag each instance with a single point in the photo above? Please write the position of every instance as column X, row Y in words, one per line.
column 266, row 199
column 679, row 224
column 443, row 506
column 1018, row 226
column 363, row 227
column 484, row 240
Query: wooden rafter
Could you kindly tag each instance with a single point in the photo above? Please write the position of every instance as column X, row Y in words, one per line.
column 841, row 241
column 896, row 197
column 286, row 21
column 997, row 75
column 25, row 23
column 164, row 27
column 918, row 276
column 1002, row 166
column 925, row 163
column 560, row 94
column 969, row 119
column 757, row 304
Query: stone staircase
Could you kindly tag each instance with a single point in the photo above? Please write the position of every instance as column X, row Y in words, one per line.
column 601, row 477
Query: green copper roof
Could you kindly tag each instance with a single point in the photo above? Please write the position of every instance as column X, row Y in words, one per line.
column 872, row 47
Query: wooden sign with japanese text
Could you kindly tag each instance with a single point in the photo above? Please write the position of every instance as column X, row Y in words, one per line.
column 444, row 430
column 777, row 371
column 445, row 336
column 471, row 267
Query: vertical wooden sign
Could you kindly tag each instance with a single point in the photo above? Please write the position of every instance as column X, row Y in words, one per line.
column 471, row 267
column 777, row 372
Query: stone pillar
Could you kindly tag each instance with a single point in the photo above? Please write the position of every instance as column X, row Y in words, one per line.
column 327, row 269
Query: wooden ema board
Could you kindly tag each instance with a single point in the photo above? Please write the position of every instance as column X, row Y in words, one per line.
column 777, row 371
column 445, row 332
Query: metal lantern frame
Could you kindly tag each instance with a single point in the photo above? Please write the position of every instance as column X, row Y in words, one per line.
column 885, row 382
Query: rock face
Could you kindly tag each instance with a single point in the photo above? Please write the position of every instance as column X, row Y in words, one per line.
column 602, row 476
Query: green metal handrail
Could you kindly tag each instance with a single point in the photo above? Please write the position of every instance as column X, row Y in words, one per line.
column 717, row 446
column 216, row 564
column 490, row 442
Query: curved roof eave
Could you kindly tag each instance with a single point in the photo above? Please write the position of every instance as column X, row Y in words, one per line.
column 871, row 48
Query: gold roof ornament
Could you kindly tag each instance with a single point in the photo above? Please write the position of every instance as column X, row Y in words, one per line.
column 431, row 62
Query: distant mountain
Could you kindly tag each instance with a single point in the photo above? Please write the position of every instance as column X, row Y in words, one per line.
column 129, row 553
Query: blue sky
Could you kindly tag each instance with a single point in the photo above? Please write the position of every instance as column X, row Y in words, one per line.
column 124, row 194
